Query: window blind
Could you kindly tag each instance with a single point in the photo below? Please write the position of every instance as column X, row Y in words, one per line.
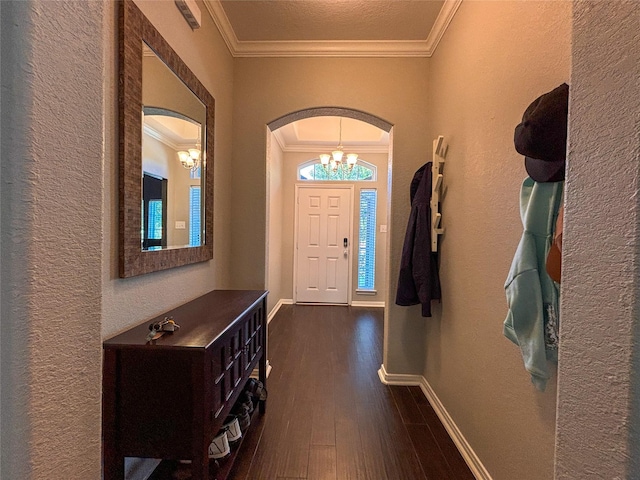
column 367, row 240
column 195, row 217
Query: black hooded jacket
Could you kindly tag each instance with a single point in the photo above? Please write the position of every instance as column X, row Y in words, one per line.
column 418, row 282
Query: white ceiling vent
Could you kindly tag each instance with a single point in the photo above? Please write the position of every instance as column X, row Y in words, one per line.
column 191, row 12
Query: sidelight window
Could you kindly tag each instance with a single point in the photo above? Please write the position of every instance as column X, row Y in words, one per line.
column 155, row 219
column 195, row 216
column 367, row 240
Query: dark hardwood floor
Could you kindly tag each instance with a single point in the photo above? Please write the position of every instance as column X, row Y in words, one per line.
column 329, row 416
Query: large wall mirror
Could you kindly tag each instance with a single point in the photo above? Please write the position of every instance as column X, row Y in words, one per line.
column 166, row 149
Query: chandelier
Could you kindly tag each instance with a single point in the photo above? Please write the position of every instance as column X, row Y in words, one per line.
column 337, row 160
column 190, row 159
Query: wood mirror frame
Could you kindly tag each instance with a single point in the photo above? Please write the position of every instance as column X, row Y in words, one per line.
column 135, row 28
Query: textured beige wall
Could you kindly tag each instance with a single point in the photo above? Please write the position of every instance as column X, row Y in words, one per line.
column 598, row 394
column 161, row 88
column 160, row 159
column 59, row 58
column 275, row 282
column 495, row 58
column 268, row 88
column 178, row 204
column 52, row 164
column 380, row 160
column 130, row 301
column 60, row 289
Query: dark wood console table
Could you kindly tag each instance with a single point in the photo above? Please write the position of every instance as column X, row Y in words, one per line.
column 169, row 397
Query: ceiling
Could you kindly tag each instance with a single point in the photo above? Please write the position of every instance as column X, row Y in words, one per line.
column 179, row 134
column 311, row 134
column 332, row 28
column 255, row 28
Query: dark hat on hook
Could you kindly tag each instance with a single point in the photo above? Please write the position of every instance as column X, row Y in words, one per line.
column 542, row 135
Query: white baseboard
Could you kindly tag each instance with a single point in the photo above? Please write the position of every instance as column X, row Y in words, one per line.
column 398, row 379
column 274, row 310
column 475, row 465
column 354, row 303
column 364, row 303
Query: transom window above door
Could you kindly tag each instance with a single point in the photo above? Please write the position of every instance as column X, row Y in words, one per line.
column 314, row 170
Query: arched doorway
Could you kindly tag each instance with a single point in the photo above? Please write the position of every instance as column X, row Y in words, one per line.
column 330, row 112
column 280, row 206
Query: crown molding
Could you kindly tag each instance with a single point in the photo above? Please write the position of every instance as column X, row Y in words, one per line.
column 217, row 13
column 399, row 48
column 153, row 133
column 332, row 48
column 441, row 24
column 277, row 134
column 315, row 149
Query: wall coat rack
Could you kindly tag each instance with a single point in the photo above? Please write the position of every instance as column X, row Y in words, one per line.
column 439, row 153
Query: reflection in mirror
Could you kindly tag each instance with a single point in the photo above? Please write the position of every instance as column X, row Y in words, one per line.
column 174, row 123
column 154, row 212
column 166, row 118
column 172, row 213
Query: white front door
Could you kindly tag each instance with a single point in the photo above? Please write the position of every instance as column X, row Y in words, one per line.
column 323, row 227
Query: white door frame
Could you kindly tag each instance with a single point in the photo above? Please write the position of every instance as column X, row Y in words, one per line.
column 333, row 186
